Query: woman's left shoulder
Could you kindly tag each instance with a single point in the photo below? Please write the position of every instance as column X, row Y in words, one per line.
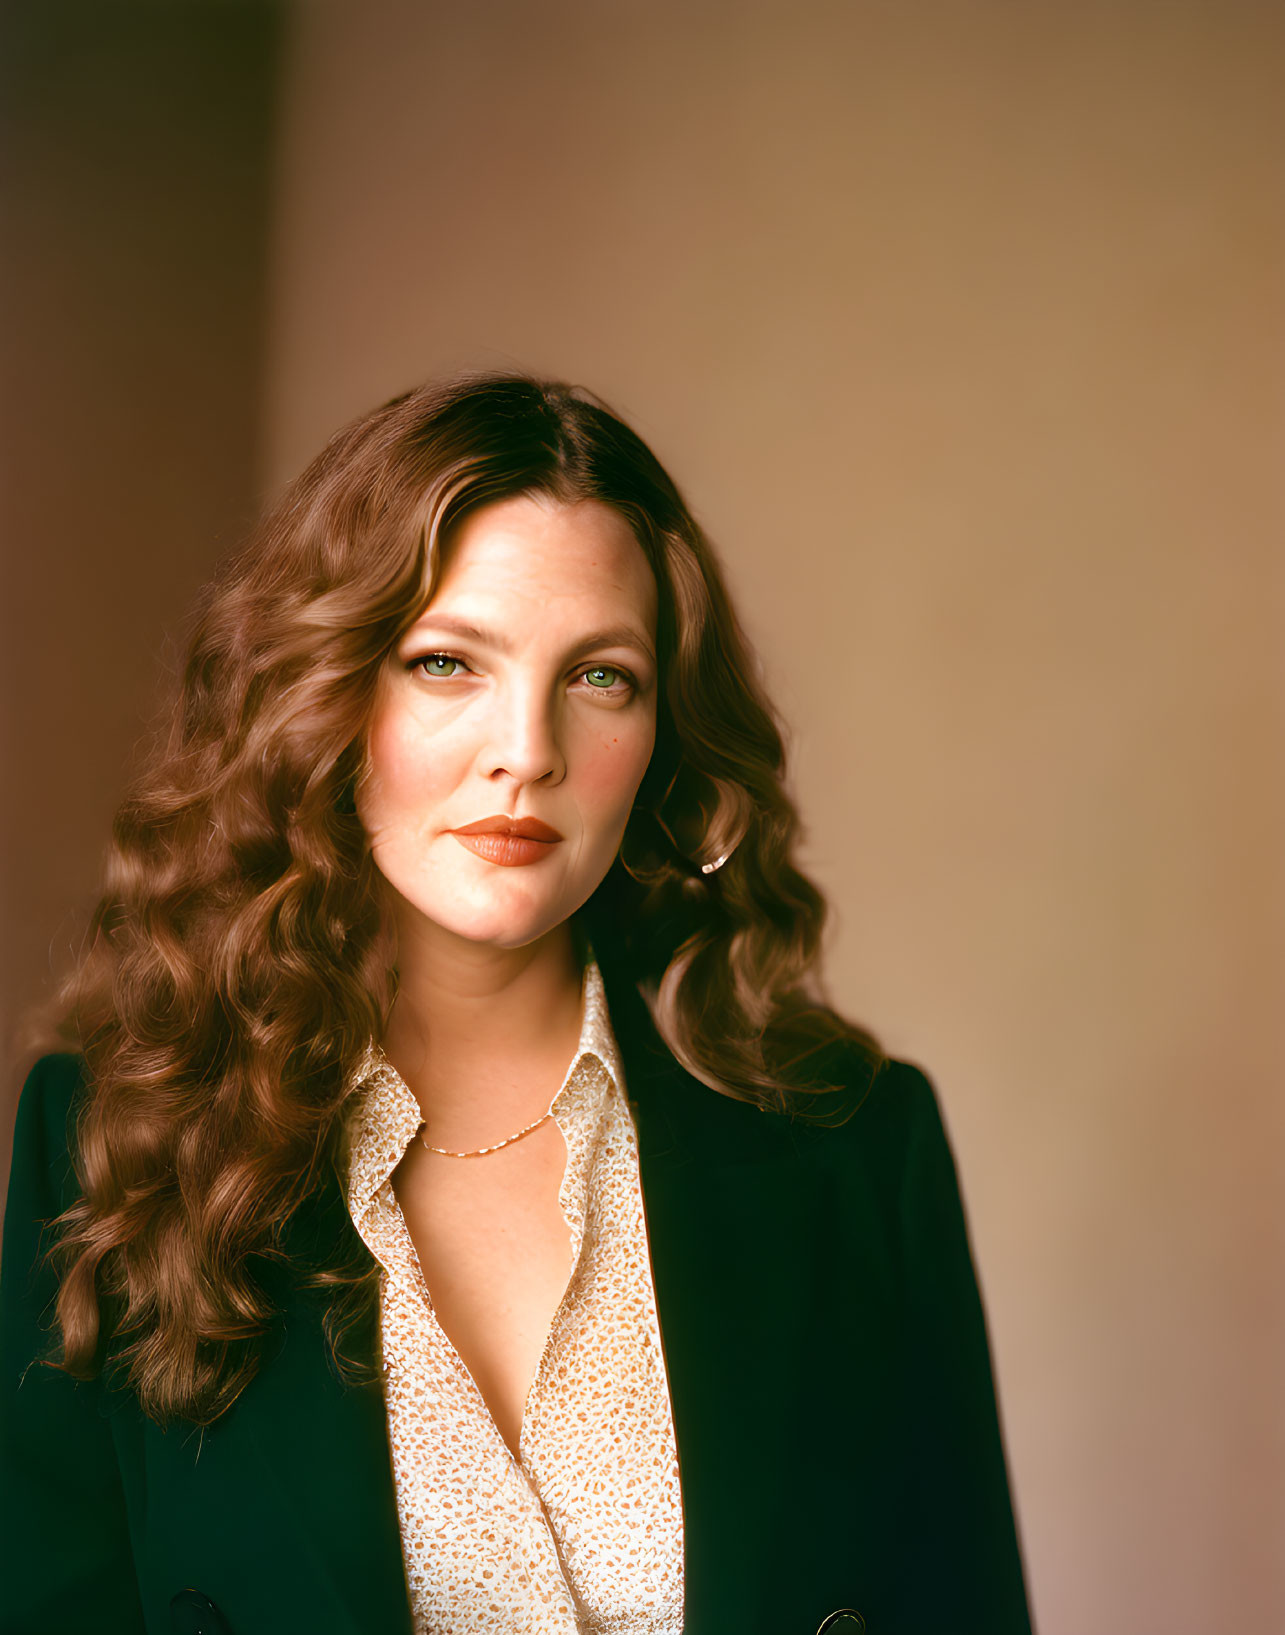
column 882, row 1121
column 873, row 1098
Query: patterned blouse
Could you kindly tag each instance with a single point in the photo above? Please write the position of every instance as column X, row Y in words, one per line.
column 583, row 1534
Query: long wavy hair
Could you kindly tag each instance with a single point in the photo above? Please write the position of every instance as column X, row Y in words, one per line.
column 240, row 960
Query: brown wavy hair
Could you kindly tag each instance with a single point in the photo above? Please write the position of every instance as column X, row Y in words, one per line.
column 240, row 961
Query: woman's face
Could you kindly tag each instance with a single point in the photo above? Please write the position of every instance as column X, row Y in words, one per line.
column 525, row 692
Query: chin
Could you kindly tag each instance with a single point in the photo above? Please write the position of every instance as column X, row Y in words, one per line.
column 509, row 932
column 495, row 924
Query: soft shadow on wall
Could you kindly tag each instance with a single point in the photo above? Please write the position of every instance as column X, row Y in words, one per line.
column 135, row 141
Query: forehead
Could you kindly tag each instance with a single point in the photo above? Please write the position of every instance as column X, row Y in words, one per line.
column 550, row 555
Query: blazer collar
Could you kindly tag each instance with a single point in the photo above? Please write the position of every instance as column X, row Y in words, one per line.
column 730, row 1211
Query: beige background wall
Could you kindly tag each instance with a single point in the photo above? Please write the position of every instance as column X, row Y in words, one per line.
column 961, row 324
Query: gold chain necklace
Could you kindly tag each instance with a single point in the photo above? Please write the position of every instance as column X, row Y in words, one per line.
column 480, row 1152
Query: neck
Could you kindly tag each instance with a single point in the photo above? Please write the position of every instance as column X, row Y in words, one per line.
column 475, row 1024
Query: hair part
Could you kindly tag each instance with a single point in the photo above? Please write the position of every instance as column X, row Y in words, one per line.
column 240, row 960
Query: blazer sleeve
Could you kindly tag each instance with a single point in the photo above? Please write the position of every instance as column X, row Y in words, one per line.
column 62, row 1511
column 968, row 1574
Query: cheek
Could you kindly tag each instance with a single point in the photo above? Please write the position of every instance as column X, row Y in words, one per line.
column 613, row 768
column 398, row 772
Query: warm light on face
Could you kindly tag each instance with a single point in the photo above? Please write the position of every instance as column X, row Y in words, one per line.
column 526, row 690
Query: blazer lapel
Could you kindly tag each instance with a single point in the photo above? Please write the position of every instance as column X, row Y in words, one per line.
column 336, row 1479
column 283, row 1511
column 726, row 1201
column 764, row 1349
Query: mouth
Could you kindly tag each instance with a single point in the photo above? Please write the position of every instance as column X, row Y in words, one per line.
column 509, row 842
column 527, row 828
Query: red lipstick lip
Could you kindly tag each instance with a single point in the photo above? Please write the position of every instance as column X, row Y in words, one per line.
column 528, row 828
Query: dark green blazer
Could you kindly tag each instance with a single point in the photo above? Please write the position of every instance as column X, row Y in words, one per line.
column 826, row 1350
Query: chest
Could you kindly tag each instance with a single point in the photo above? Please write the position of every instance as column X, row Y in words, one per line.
column 494, row 1249
column 574, row 1520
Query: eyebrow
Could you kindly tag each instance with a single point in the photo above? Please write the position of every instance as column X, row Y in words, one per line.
column 616, row 635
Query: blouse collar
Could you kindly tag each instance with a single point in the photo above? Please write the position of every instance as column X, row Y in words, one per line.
column 388, row 1117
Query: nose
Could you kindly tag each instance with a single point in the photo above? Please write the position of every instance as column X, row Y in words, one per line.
column 524, row 740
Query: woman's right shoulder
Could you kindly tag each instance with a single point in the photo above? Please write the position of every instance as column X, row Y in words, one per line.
column 42, row 1184
column 47, row 1108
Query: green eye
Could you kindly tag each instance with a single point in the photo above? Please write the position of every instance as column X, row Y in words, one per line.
column 591, row 676
column 431, row 662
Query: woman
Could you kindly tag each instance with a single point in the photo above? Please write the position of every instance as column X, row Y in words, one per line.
column 365, row 1311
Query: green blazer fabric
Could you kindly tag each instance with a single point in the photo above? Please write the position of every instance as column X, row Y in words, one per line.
column 838, row 1440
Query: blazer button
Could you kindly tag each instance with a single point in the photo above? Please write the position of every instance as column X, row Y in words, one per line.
column 843, row 1622
column 192, row 1613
